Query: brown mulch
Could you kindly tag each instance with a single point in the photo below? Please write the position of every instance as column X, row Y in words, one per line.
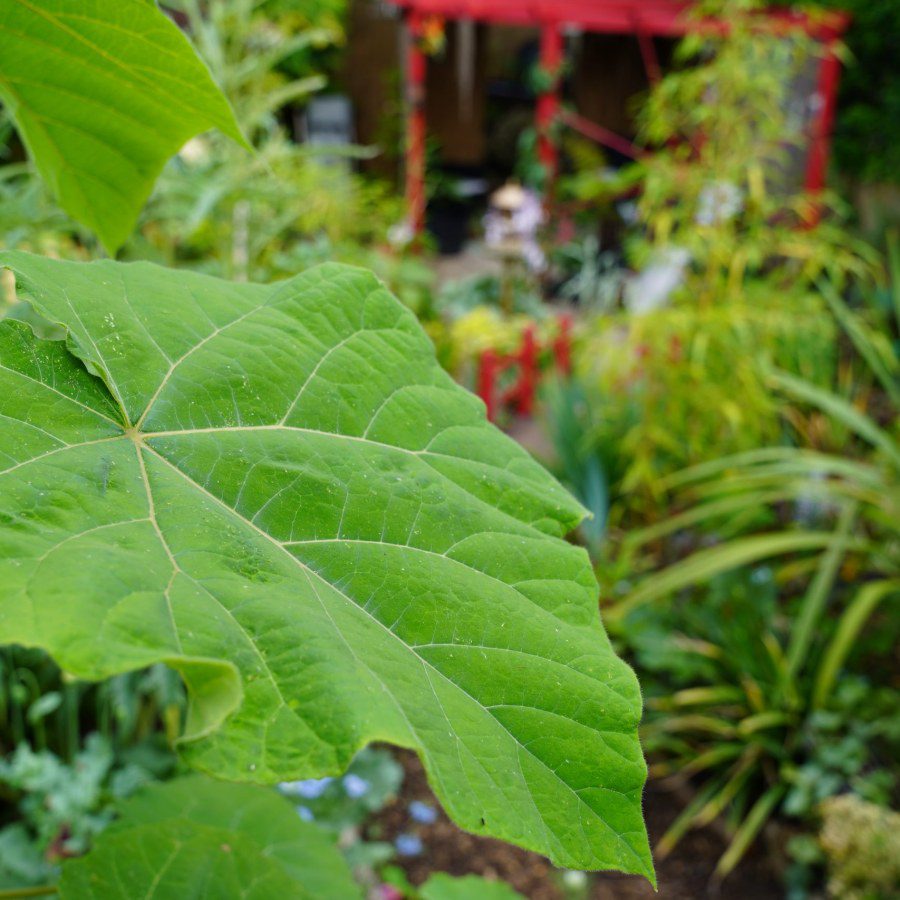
column 686, row 874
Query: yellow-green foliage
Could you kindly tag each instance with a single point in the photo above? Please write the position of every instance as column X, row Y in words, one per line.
column 685, row 384
column 724, row 179
column 862, row 843
column 463, row 340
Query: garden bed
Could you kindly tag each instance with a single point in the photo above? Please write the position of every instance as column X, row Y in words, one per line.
column 686, row 873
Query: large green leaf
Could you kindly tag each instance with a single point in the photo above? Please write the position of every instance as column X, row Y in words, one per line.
column 199, row 839
column 103, row 92
column 277, row 491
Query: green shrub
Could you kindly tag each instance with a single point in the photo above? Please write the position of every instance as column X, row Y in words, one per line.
column 862, row 845
column 759, row 706
column 686, row 384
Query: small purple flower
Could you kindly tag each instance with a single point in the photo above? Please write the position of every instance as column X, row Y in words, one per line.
column 421, row 812
column 355, row 786
column 305, row 813
column 310, row 789
column 408, row 845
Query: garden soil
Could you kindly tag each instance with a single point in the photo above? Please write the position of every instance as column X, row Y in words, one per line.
column 685, row 875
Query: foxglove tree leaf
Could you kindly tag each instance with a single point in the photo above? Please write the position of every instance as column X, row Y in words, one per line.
column 198, row 839
column 277, row 491
column 103, row 92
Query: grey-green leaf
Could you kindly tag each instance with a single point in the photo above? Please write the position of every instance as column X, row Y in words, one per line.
column 277, row 491
column 103, row 92
column 198, row 839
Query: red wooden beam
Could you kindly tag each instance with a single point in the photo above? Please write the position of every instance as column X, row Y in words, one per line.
column 648, row 51
column 658, row 17
column 600, row 15
column 599, row 134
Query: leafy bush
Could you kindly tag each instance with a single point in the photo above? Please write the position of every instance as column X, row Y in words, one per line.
column 227, row 213
column 74, row 749
column 766, row 715
column 63, row 806
column 735, row 708
column 247, row 216
column 726, row 135
column 867, row 139
column 862, row 843
column 682, row 385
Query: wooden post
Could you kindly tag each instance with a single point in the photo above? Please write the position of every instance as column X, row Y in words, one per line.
column 562, row 346
column 528, row 372
column 823, row 123
column 547, row 111
column 416, row 67
column 488, row 369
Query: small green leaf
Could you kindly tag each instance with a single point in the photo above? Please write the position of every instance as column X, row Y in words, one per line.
column 199, row 839
column 277, row 491
column 470, row 887
column 103, row 92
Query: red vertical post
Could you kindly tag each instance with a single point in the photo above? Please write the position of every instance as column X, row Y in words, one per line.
column 551, row 57
column 416, row 68
column 562, row 346
column 528, row 364
column 823, row 122
column 488, row 367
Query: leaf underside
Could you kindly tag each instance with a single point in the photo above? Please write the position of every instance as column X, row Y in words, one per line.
column 103, row 92
column 197, row 839
column 278, row 492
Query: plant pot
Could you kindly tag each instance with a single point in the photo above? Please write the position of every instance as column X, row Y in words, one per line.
column 448, row 222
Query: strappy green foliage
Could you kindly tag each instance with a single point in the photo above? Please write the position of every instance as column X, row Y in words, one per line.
column 278, row 492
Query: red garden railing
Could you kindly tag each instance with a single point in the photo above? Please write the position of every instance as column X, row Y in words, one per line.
column 526, row 364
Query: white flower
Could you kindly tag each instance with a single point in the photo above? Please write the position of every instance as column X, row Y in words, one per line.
column 720, row 201
column 195, row 151
column 651, row 289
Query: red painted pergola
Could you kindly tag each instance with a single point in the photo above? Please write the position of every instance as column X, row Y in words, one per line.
column 645, row 19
